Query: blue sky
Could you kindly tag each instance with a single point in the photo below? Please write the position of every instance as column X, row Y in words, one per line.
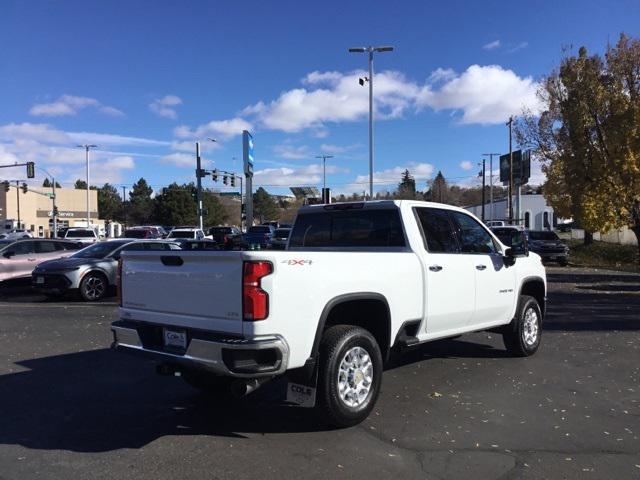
column 145, row 79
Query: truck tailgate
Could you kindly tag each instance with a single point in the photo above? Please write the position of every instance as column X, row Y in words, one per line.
column 197, row 289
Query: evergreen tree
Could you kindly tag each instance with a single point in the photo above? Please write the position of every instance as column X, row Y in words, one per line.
column 264, row 206
column 109, row 202
column 406, row 187
column 140, row 205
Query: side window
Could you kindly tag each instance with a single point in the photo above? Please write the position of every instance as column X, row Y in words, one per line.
column 155, row 246
column 199, row 235
column 437, row 230
column 45, row 247
column 473, row 237
column 23, row 248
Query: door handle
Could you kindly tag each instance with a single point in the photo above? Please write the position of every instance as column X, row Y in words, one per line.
column 481, row 267
column 435, row 268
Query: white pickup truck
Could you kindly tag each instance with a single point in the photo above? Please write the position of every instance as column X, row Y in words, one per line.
column 356, row 281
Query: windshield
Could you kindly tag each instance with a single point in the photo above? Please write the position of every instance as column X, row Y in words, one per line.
column 181, row 234
column 543, row 236
column 99, row 250
column 80, row 234
column 135, row 234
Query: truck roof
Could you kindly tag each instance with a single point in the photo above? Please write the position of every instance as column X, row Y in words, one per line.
column 377, row 204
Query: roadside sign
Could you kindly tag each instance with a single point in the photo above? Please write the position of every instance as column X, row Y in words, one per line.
column 247, row 152
column 521, row 167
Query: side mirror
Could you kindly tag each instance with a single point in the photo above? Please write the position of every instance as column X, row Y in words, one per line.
column 518, row 248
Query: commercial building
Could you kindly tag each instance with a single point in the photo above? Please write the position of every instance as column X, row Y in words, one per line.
column 535, row 213
column 34, row 209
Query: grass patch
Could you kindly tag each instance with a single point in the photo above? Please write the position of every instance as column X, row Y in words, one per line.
column 604, row 255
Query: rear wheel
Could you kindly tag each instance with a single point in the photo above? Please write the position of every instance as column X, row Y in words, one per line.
column 522, row 336
column 350, row 374
column 93, row 287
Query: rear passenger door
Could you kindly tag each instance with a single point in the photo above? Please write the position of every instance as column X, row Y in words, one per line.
column 450, row 277
column 22, row 259
column 495, row 283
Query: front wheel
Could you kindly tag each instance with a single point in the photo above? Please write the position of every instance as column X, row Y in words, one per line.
column 522, row 336
column 350, row 374
column 93, row 287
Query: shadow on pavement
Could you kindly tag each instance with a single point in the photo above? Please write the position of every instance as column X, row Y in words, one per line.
column 572, row 276
column 100, row 400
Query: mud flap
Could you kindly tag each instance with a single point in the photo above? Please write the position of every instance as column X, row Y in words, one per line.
column 302, row 385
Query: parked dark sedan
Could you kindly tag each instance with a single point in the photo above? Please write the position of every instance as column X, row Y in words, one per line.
column 548, row 245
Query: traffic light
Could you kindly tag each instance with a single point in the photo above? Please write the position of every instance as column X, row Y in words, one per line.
column 55, row 211
column 25, row 188
column 225, row 180
column 214, row 175
column 6, row 186
column 31, row 169
column 233, row 181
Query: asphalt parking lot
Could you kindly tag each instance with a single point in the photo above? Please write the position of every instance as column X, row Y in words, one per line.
column 71, row 408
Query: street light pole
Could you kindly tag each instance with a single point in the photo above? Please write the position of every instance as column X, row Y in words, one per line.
column 510, row 125
column 490, row 155
column 86, row 149
column 324, row 174
column 370, row 50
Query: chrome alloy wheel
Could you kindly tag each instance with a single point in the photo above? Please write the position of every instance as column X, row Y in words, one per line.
column 94, row 288
column 530, row 327
column 355, row 377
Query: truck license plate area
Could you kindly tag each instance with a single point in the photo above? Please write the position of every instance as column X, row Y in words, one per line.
column 175, row 338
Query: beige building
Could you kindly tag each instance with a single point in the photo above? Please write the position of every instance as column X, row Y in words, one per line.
column 36, row 209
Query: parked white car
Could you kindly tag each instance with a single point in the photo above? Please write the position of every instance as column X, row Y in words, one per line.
column 86, row 236
column 357, row 281
column 188, row 233
column 15, row 234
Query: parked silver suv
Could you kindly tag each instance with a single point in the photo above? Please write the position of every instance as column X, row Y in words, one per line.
column 91, row 271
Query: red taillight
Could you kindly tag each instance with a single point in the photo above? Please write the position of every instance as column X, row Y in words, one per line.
column 119, row 282
column 226, row 239
column 255, row 301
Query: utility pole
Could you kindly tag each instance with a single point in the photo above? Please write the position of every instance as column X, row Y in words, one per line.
column 18, row 201
column 86, row 149
column 491, row 211
column 370, row 50
column 483, row 185
column 510, row 125
column 124, row 205
column 199, row 185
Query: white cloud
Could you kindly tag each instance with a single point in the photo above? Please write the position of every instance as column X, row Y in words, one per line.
column 219, row 129
column 334, row 97
column 291, row 152
column 466, row 165
column 180, row 159
column 164, row 106
column 441, row 75
column 71, row 105
column 491, row 45
column 517, row 47
column 309, row 175
column 486, row 95
column 419, row 171
column 338, row 149
column 104, row 170
column 110, row 139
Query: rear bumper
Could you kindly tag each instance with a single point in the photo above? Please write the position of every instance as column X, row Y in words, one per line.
column 219, row 354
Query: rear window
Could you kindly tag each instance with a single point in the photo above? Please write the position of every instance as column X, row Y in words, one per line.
column 80, row 234
column 182, row 234
column 260, row 230
column 215, row 230
column 350, row 228
column 135, row 234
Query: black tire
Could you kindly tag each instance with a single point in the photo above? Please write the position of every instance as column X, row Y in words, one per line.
column 336, row 343
column 522, row 336
column 208, row 383
column 93, row 287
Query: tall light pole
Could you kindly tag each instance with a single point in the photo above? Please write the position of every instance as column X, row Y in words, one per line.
column 370, row 50
column 324, row 175
column 86, row 149
column 54, row 212
column 510, row 125
column 490, row 155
